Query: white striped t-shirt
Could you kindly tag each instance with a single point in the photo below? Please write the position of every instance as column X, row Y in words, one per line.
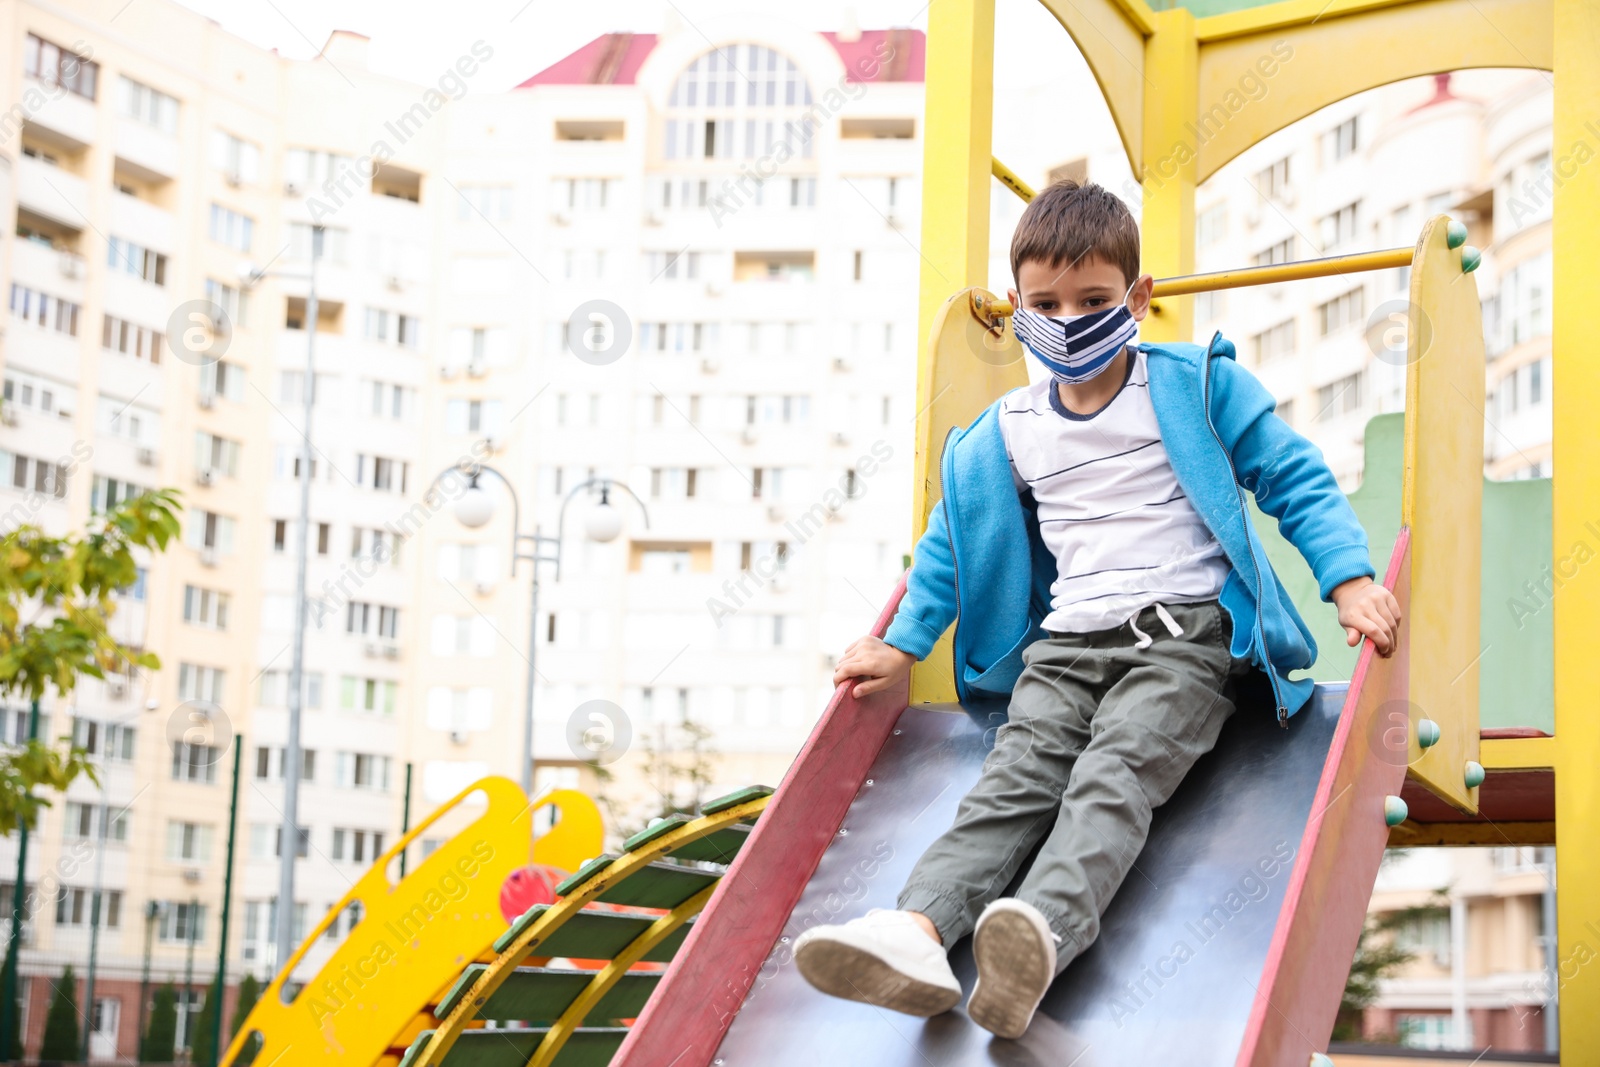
column 1111, row 511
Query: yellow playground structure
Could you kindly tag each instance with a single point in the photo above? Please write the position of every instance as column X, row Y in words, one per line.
column 674, row 952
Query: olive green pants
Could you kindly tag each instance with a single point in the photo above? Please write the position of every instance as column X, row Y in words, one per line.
column 1100, row 733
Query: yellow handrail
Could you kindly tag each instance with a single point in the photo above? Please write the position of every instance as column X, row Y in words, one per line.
column 990, row 311
column 1009, row 179
column 1283, row 272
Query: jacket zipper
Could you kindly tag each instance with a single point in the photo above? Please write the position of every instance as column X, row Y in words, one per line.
column 1244, row 516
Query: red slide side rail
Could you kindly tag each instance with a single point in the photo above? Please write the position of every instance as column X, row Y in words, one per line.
column 686, row 1018
column 1302, row 981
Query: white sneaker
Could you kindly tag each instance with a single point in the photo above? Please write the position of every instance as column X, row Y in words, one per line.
column 883, row 958
column 1016, row 956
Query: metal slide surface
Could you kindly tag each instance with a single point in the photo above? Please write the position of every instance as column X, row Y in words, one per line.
column 1174, row 974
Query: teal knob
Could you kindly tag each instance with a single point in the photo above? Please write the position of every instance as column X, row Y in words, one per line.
column 1470, row 258
column 1455, row 234
column 1394, row 811
column 1474, row 774
column 1427, row 733
column 1319, row 1060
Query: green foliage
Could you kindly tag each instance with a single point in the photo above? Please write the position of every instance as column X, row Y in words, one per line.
column 56, row 596
column 677, row 760
column 1379, row 954
column 249, row 993
column 159, row 1043
column 61, row 1037
column 201, row 1031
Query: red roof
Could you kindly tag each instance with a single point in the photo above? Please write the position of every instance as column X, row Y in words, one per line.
column 897, row 55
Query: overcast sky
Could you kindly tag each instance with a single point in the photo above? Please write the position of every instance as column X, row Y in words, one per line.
column 412, row 38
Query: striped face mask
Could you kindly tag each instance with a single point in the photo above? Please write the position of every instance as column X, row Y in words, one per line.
column 1076, row 347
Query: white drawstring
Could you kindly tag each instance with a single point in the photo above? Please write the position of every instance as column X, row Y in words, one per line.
column 1166, row 620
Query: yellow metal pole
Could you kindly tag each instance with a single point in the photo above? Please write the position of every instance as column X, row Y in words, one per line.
column 1284, row 272
column 957, row 157
column 1576, row 487
column 1009, row 179
column 1172, row 77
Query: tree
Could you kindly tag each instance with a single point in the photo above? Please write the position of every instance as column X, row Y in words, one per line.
column 249, row 993
column 56, row 596
column 1380, row 952
column 61, row 1038
column 160, row 1041
column 201, row 1030
column 677, row 761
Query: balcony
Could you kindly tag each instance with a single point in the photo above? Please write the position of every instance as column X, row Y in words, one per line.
column 49, row 270
column 65, row 114
column 141, row 222
column 51, row 192
column 150, row 154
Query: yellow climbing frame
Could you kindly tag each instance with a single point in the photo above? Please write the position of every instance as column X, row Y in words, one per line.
column 1188, row 95
column 412, row 940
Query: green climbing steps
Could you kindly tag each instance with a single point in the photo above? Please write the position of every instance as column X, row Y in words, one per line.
column 516, row 1010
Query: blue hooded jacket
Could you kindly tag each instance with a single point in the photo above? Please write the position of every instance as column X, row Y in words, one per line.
column 982, row 564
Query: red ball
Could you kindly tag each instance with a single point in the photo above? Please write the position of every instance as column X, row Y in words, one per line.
column 527, row 886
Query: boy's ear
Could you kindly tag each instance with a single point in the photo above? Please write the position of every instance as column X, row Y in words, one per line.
column 1139, row 298
column 1011, row 295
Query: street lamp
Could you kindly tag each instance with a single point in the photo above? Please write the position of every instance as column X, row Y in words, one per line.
column 289, row 842
column 475, row 507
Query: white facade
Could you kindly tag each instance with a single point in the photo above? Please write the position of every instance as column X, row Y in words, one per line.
column 762, row 412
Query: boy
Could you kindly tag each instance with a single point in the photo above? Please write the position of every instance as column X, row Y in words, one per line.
column 1093, row 546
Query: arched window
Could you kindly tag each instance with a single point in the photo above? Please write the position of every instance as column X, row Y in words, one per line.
column 742, row 101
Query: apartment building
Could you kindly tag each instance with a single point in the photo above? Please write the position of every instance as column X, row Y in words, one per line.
column 681, row 263
column 1367, row 173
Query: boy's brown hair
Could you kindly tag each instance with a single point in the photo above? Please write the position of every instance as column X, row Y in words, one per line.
column 1067, row 222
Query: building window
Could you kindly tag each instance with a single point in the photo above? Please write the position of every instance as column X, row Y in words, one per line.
column 229, row 227
column 1273, row 182
column 356, row 846
column 75, row 907
column 1339, row 227
column 182, row 921
column 1211, row 225
column 128, row 258
column 54, row 65
column 1341, row 141
column 739, row 102
column 131, row 339
column 238, row 160
column 84, row 822
column 149, row 106
column 1342, row 311
column 42, row 309
column 1275, row 342
column 195, row 763
column 1340, row 398
column 1282, row 252
column 188, row 842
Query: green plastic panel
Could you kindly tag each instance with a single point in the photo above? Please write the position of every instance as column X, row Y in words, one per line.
column 1516, row 672
column 659, row 885
column 541, row 994
column 738, row 796
column 719, row 846
column 1201, row 8
column 596, row 935
column 584, row 873
column 522, row 922
column 590, row 1047
column 655, row 830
